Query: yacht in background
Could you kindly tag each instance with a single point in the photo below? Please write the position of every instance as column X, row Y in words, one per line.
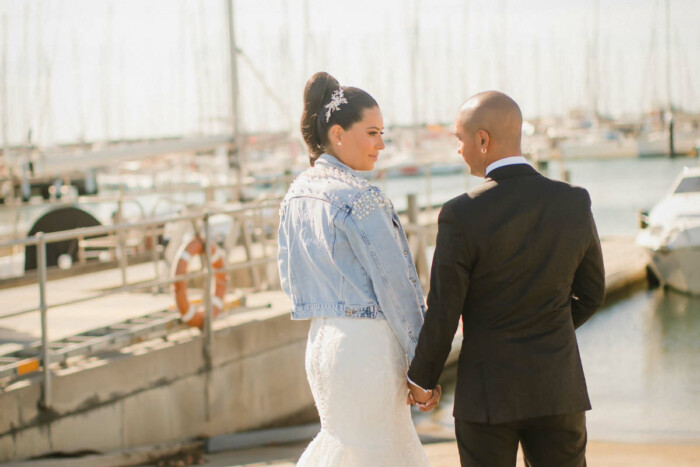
column 599, row 143
column 671, row 234
column 653, row 139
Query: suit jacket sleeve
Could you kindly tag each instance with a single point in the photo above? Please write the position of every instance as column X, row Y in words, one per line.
column 449, row 285
column 588, row 287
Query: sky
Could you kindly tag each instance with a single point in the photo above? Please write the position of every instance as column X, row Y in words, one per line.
column 93, row 70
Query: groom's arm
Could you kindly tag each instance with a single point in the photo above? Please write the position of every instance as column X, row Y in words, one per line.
column 588, row 287
column 449, row 284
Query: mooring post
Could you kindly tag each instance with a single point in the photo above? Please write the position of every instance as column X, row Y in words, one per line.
column 208, row 311
column 45, row 350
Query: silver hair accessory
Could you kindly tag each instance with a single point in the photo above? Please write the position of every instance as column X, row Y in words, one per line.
column 337, row 98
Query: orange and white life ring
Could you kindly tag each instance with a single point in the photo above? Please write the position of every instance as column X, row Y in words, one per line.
column 191, row 313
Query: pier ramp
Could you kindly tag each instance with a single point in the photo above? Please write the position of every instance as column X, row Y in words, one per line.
column 167, row 389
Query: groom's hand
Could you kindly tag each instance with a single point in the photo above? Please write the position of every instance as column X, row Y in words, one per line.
column 425, row 400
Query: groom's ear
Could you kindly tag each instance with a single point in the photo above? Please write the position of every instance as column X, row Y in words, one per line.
column 484, row 139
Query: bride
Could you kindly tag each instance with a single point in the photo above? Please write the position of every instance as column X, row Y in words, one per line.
column 344, row 261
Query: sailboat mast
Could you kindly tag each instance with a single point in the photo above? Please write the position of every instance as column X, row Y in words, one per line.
column 238, row 151
column 668, row 55
column 415, row 49
column 671, row 149
column 307, row 40
column 593, row 65
column 5, row 118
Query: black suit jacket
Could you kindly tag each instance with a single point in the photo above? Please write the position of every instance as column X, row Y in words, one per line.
column 519, row 259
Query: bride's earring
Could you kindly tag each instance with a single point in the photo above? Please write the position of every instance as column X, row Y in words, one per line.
column 339, row 143
column 482, row 150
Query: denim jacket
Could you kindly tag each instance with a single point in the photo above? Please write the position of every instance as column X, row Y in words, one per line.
column 343, row 252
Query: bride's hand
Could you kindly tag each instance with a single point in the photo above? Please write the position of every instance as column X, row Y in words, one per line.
column 431, row 403
column 425, row 400
column 417, row 394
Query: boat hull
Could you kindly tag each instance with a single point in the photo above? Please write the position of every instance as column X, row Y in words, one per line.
column 678, row 269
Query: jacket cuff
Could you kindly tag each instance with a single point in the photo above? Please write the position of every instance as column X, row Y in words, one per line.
column 415, row 384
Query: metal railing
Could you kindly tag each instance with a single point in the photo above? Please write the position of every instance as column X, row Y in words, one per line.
column 257, row 221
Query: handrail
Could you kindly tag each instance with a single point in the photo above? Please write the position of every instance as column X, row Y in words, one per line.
column 106, row 229
column 184, row 187
column 42, row 239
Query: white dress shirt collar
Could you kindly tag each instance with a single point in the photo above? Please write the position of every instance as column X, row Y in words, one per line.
column 506, row 161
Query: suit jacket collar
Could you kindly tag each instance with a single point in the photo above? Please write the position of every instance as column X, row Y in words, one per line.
column 510, row 171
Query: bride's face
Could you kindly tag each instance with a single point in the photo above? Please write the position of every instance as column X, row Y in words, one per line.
column 360, row 144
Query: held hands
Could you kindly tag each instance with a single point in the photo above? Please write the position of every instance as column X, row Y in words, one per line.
column 424, row 400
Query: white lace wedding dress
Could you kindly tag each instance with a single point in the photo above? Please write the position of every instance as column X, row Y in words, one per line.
column 357, row 372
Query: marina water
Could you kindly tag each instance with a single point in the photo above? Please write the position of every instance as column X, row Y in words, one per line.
column 641, row 352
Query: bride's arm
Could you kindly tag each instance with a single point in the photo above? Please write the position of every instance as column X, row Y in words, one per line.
column 283, row 254
column 371, row 234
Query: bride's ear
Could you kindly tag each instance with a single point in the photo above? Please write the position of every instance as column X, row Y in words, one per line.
column 335, row 134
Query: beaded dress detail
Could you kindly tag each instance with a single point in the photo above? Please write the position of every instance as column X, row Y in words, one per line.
column 357, row 373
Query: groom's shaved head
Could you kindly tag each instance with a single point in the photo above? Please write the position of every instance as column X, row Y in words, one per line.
column 496, row 113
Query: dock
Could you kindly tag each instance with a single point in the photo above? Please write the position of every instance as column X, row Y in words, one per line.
column 625, row 265
column 160, row 394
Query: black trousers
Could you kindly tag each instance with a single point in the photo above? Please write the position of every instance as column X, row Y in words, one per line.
column 552, row 441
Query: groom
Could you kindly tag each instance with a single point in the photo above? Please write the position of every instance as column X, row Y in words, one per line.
column 518, row 259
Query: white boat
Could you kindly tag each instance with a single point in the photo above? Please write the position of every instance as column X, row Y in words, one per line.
column 671, row 234
column 657, row 143
column 599, row 143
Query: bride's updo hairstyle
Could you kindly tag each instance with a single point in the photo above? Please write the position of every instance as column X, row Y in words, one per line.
column 315, row 121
